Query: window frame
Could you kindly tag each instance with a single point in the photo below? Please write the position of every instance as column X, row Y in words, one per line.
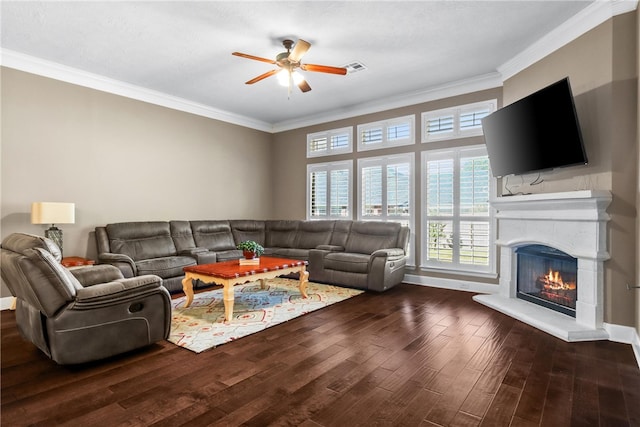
column 385, row 161
column 384, row 126
column 329, row 134
column 457, row 153
column 455, row 112
column 328, row 167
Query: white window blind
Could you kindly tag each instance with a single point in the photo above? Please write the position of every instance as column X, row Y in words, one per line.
column 386, row 133
column 329, row 190
column 385, row 192
column 458, row 225
column 456, row 122
column 328, row 143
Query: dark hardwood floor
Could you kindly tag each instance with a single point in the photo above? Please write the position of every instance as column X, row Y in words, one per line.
column 413, row 356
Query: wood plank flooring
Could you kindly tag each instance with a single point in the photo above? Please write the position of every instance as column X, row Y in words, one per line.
column 412, row 356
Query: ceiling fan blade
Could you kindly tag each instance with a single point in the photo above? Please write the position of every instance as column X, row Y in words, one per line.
column 299, row 50
column 257, row 58
column 262, row 77
column 324, row 69
column 304, row 86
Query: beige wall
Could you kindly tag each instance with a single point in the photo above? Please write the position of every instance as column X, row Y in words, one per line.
column 121, row 160
column 602, row 68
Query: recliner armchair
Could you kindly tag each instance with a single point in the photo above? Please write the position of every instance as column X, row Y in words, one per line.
column 80, row 315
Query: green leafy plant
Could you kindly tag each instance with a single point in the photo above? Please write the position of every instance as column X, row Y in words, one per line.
column 251, row 246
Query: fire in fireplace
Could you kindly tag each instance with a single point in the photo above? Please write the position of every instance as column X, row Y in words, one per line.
column 547, row 277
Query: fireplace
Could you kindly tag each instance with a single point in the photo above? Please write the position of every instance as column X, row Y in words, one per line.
column 547, row 277
column 545, row 239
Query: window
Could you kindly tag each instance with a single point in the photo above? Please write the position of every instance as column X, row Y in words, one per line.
column 458, row 228
column 329, row 190
column 385, row 191
column 337, row 141
column 456, row 122
column 388, row 133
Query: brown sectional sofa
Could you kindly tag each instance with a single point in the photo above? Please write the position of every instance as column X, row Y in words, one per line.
column 359, row 254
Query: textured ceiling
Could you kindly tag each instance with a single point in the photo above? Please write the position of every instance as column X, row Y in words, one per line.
column 183, row 49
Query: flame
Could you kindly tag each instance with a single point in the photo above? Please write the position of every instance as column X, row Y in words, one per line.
column 554, row 281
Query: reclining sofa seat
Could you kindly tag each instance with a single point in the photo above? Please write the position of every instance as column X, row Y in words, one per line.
column 371, row 255
column 139, row 248
column 80, row 315
column 365, row 255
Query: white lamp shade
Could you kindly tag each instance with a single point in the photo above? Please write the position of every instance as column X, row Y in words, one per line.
column 53, row 213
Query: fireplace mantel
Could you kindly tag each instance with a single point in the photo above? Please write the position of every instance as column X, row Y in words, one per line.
column 573, row 222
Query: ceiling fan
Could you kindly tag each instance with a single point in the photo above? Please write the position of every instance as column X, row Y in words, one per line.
column 288, row 62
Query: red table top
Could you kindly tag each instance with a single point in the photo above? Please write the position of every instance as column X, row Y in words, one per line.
column 75, row 261
column 232, row 269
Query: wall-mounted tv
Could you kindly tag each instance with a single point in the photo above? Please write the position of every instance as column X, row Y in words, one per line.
column 535, row 133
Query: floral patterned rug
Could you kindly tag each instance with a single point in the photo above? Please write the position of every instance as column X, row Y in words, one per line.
column 201, row 326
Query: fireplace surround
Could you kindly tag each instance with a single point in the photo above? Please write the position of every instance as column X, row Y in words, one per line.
column 573, row 223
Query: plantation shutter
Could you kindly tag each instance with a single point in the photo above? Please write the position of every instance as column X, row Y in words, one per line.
column 372, row 191
column 458, row 219
column 340, row 192
column 318, row 192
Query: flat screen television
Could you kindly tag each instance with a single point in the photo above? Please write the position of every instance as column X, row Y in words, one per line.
column 536, row 133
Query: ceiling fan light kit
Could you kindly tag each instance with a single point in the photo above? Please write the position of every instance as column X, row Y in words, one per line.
column 288, row 63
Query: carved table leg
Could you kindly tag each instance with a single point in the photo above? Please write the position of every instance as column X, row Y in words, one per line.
column 304, row 279
column 187, row 287
column 228, row 296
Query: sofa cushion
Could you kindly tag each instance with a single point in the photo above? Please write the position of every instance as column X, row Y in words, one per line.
column 141, row 240
column 182, row 235
column 340, row 233
column 290, row 253
column 366, row 237
column 350, row 262
column 20, row 242
column 281, row 234
column 164, row 267
column 213, row 235
column 246, row 229
column 312, row 234
column 227, row 255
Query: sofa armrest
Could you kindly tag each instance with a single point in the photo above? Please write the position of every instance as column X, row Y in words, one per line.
column 123, row 262
column 89, row 276
column 330, row 248
column 117, row 292
column 193, row 251
column 201, row 255
column 389, row 253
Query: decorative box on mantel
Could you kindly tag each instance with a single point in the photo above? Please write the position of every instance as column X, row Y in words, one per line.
column 573, row 222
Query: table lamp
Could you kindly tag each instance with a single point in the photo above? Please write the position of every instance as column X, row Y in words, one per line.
column 53, row 213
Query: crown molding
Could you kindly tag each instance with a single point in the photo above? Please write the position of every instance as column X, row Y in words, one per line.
column 41, row 67
column 584, row 21
column 459, row 87
column 590, row 17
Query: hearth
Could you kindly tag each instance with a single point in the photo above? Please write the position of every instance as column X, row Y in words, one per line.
column 547, row 277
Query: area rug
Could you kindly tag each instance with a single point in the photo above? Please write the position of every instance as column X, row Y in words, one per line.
column 201, row 326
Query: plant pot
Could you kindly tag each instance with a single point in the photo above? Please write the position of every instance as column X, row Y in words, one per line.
column 249, row 254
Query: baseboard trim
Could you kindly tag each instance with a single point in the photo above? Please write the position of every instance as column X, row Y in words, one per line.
column 457, row 285
column 617, row 333
column 625, row 335
column 5, row 303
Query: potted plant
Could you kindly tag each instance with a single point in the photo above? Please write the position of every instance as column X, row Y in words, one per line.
column 250, row 249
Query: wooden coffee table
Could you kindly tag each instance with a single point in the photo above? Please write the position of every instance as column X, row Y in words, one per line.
column 231, row 273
